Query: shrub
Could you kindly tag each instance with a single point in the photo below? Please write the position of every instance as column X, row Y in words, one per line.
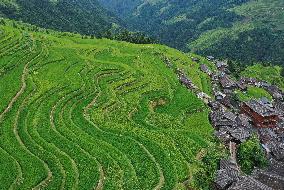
column 250, row 155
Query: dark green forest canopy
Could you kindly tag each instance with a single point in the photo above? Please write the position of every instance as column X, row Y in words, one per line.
column 174, row 22
column 82, row 16
column 243, row 30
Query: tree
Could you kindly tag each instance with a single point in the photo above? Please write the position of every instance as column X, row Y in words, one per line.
column 2, row 22
column 282, row 72
column 236, row 68
column 108, row 34
column 205, row 175
column 127, row 36
column 14, row 25
column 250, row 155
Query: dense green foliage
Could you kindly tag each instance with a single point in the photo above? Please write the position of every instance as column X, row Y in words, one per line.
column 173, row 22
column 251, row 154
column 82, row 16
column 258, row 37
column 243, row 30
column 127, row 36
column 98, row 114
column 207, row 171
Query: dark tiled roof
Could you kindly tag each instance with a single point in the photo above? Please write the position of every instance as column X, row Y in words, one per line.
column 195, row 59
column 227, row 174
column 249, row 183
column 264, row 101
column 230, row 116
column 226, row 82
column 210, row 57
column 275, row 92
column 279, row 107
column 241, row 85
column 277, row 149
column 220, row 118
column 240, row 134
column 204, row 67
column 215, row 105
column 276, row 167
column 185, row 80
column 243, row 120
column 222, row 179
column 230, row 166
column 245, row 80
column 221, row 64
column 260, row 108
column 269, row 178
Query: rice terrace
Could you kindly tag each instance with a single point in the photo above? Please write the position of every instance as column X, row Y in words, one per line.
column 99, row 114
column 141, row 95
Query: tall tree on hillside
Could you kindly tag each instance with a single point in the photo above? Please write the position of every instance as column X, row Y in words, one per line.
column 282, row 71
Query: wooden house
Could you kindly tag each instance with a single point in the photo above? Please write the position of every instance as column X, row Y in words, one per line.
column 184, row 80
column 242, row 86
column 210, row 58
column 261, row 115
column 222, row 66
column 249, row 183
column 195, row 59
column 205, row 69
column 219, row 96
column 227, row 83
column 248, row 81
column 226, row 175
column 275, row 92
column 220, row 119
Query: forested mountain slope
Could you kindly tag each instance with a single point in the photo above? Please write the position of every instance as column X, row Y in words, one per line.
column 243, row 30
column 99, row 114
column 82, row 16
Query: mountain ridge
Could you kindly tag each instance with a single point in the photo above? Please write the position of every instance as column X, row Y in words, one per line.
column 82, row 16
column 247, row 31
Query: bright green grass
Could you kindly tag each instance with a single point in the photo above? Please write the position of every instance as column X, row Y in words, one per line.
column 270, row 74
column 84, row 118
column 253, row 93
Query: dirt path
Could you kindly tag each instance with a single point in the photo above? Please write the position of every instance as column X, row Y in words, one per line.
column 87, row 116
column 22, row 89
column 162, row 178
column 20, row 92
column 15, row 130
column 102, row 178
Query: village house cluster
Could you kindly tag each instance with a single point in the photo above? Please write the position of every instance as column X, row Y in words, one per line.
column 235, row 122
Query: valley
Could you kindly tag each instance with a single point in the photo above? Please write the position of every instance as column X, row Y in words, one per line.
column 141, row 94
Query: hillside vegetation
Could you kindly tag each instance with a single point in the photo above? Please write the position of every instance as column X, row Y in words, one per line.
column 174, row 22
column 258, row 37
column 271, row 74
column 243, row 30
column 82, row 16
column 99, row 114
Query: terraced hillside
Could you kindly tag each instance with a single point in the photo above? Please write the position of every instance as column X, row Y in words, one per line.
column 98, row 114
